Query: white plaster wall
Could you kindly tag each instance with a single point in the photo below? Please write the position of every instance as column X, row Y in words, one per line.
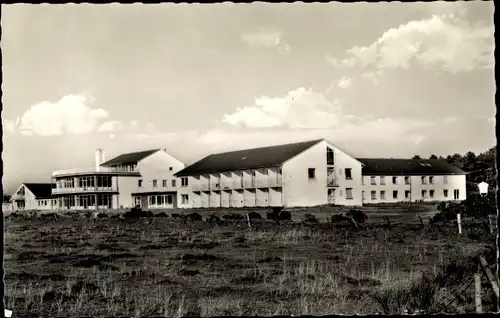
column 299, row 190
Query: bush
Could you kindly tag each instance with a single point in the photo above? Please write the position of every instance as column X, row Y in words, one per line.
column 193, row 217
column 161, row 215
column 309, row 218
column 254, row 216
column 212, row 219
column 449, row 212
column 339, row 218
column 357, row 215
column 137, row 213
column 279, row 215
column 233, row 217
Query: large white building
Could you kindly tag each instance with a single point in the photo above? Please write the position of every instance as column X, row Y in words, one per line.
column 399, row 180
column 299, row 174
column 142, row 178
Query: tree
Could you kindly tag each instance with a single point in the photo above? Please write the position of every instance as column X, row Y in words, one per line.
column 6, row 198
column 433, row 156
column 416, row 157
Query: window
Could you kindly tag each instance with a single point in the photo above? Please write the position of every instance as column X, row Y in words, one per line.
column 139, row 183
column 382, row 180
column 456, row 194
column 407, row 180
column 431, row 193
column 160, row 199
column 169, row 199
column 348, row 175
column 431, row 180
column 382, row 195
column 394, row 194
column 374, row 195
column 173, row 183
column 445, row 179
column 372, row 180
column 423, row 180
column 348, row 193
column 164, row 183
column 362, row 195
column 152, row 200
column 155, row 183
column 185, row 198
column 445, row 193
column 362, row 180
column 311, row 172
column 394, row 180
column 184, row 182
column 170, row 168
column 424, row 194
column 329, row 156
column 407, row 194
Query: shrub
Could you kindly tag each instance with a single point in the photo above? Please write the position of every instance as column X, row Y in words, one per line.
column 449, row 212
column 339, row 218
column 254, row 216
column 309, row 218
column 193, row 217
column 212, row 219
column 357, row 215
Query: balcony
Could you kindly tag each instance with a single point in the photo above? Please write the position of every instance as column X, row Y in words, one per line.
column 84, row 190
column 249, row 184
column 332, row 182
column 17, row 197
column 197, row 187
column 237, row 184
column 262, row 183
column 94, row 171
column 215, row 186
column 226, row 185
column 274, row 183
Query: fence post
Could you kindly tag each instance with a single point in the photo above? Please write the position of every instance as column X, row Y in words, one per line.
column 421, row 221
column 490, row 223
column 388, row 222
column 459, row 222
column 477, row 292
column 248, row 220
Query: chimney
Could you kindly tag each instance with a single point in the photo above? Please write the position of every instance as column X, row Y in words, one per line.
column 99, row 159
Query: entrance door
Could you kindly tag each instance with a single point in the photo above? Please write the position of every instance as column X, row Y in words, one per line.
column 331, row 196
column 138, row 202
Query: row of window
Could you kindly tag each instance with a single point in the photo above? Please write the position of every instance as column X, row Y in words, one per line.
column 155, row 183
column 85, row 182
column 424, row 180
column 87, row 200
column 47, row 202
column 161, row 199
column 425, row 194
column 311, row 173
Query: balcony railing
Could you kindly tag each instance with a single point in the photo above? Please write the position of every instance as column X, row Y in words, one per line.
column 275, row 182
column 83, row 190
column 196, row 187
column 226, row 185
column 77, row 171
column 204, row 186
column 332, row 182
column 249, row 184
column 215, row 186
column 17, row 197
column 237, row 184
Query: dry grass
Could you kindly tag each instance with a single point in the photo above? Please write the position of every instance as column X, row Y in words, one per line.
column 137, row 268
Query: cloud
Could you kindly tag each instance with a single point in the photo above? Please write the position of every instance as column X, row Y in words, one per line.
column 271, row 39
column 306, row 111
column 113, row 125
column 69, row 114
column 344, row 82
column 444, row 42
column 133, row 123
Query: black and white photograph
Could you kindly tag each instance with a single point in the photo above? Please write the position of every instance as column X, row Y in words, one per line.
column 249, row 159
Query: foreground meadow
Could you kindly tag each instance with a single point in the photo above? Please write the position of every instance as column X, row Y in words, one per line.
column 164, row 267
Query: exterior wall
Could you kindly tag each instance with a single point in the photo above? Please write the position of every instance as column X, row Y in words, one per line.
column 299, row 190
column 46, row 204
column 440, row 183
column 30, row 202
column 275, row 197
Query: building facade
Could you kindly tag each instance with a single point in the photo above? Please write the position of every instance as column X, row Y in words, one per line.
column 33, row 196
column 114, row 184
column 411, row 180
column 300, row 174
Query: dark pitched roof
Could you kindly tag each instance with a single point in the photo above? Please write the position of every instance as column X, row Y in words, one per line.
column 247, row 159
column 390, row 167
column 41, row 190
column 129, row 158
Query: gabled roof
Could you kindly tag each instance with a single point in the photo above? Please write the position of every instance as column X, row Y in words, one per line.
column 254, row 158
column 394, row 167
column 129, row 158
column 40, row 190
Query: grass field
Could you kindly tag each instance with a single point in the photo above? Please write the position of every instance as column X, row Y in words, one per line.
column 163, row 267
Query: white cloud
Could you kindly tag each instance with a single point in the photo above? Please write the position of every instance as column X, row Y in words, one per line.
column 113, row 125
column 69, row 114
column 344, row 82
column 303, row 111
column 266, row 38
column 444, row 42
column 133, row 123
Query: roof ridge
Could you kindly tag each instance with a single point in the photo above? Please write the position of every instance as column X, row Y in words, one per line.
column 263, row 147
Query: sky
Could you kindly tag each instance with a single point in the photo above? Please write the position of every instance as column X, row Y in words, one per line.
column 376, row 79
